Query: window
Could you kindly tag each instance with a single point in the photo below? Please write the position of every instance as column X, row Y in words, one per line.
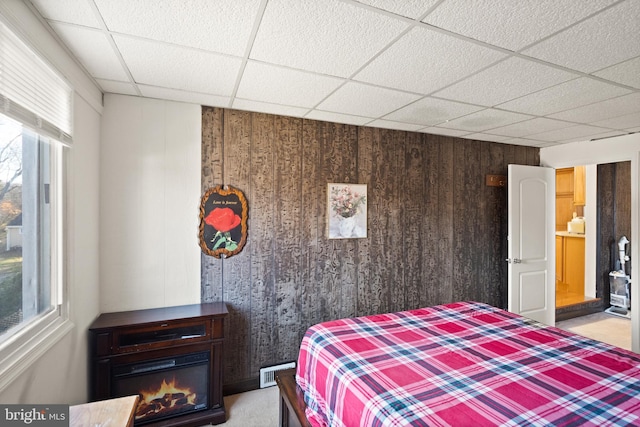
column 35, row 132
column 27, row 165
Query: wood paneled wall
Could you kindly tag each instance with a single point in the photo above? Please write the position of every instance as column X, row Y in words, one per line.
column 436, row 232
column 614, row 221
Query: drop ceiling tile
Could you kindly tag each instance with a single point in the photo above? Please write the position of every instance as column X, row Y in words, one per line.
column 189, row 69
column 329, row 37
column 603, row 110
column 442, row 131
column 511, row 24
column 328, row 116
column 572, row 132
column 529, row 127
column 595, row 137
column 504, row 81
column 278, row 85
column 71, row 11
column 486, row 137
column 220, row 26
column 93, row 49
column 598, row 42
column 442, row 60
column 622, row 122
column 263, row 107
column 430, row 111
column 363, row 100
column 410, row 8
column 571, row 94
column 183, row 96
column 387, row 124
column 525, row 142
column 627, row 73
column 485, row 119
column 111, row 86
column 542, row 144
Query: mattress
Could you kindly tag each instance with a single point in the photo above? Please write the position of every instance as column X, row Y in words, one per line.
column 463, row 364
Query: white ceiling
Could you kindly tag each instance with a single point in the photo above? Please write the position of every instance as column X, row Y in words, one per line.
column 527, row 72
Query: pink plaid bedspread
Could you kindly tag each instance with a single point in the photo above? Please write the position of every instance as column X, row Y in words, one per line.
column 463, row 364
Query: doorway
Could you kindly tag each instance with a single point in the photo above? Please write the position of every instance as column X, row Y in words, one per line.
column 582, row 289
column 609, row 150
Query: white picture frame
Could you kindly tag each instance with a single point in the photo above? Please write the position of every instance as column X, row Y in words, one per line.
column 346, row 211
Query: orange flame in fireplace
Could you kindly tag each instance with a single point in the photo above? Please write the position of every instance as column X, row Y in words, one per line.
column 165, row 399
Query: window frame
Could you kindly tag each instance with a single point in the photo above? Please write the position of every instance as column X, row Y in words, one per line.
column 35, row 337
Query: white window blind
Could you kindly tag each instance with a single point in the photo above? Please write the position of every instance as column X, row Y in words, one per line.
column 31, row 91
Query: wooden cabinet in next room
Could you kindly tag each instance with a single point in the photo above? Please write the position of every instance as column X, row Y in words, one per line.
column 570, row 264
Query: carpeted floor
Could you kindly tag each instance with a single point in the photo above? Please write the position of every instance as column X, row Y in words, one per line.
column 602, row 327
column 256, row 408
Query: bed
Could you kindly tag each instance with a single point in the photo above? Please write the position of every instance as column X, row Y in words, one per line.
column 458, row 364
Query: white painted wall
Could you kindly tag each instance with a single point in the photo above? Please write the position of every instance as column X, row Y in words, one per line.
column 619, row 149
column 149, row 203
column 591, row 229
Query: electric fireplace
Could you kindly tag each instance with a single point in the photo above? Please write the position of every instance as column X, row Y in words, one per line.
column 167, row 387
column 171, row 358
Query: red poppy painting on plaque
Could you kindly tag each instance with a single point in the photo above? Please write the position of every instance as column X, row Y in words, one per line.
column 223, row 221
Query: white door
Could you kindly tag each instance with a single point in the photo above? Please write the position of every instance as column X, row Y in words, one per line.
column 531, row 242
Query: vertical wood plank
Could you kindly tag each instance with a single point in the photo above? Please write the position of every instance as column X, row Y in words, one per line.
column 323, row 271
column 314, row 196
column 606, row 228
column 414, row 221
column 383, row 220
column 236, row 269
column 395, row 229
column 622, row 209
column 498, row 208
column 446, row 196
column 493, row 207
column 432, row 266
column 262, row 204
column 369, row 293
column 465, row 237
column 313, row 205
column 345, row 140
column 287, row 225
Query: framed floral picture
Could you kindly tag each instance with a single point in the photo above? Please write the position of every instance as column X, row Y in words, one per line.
column 346, row 211
column 223, row 221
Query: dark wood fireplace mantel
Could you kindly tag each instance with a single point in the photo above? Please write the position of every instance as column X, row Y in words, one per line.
column 129, row 348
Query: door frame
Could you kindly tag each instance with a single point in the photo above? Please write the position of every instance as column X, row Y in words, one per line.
column 610, row 150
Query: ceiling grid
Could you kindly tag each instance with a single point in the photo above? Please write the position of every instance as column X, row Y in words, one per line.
column 532, row 72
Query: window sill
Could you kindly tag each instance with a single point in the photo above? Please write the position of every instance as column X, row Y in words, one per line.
column 23, row 350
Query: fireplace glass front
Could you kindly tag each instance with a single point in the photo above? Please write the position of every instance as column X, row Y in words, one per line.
column 167, row 387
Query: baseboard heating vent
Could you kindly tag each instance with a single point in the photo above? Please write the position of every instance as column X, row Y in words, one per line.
column 268, row 374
